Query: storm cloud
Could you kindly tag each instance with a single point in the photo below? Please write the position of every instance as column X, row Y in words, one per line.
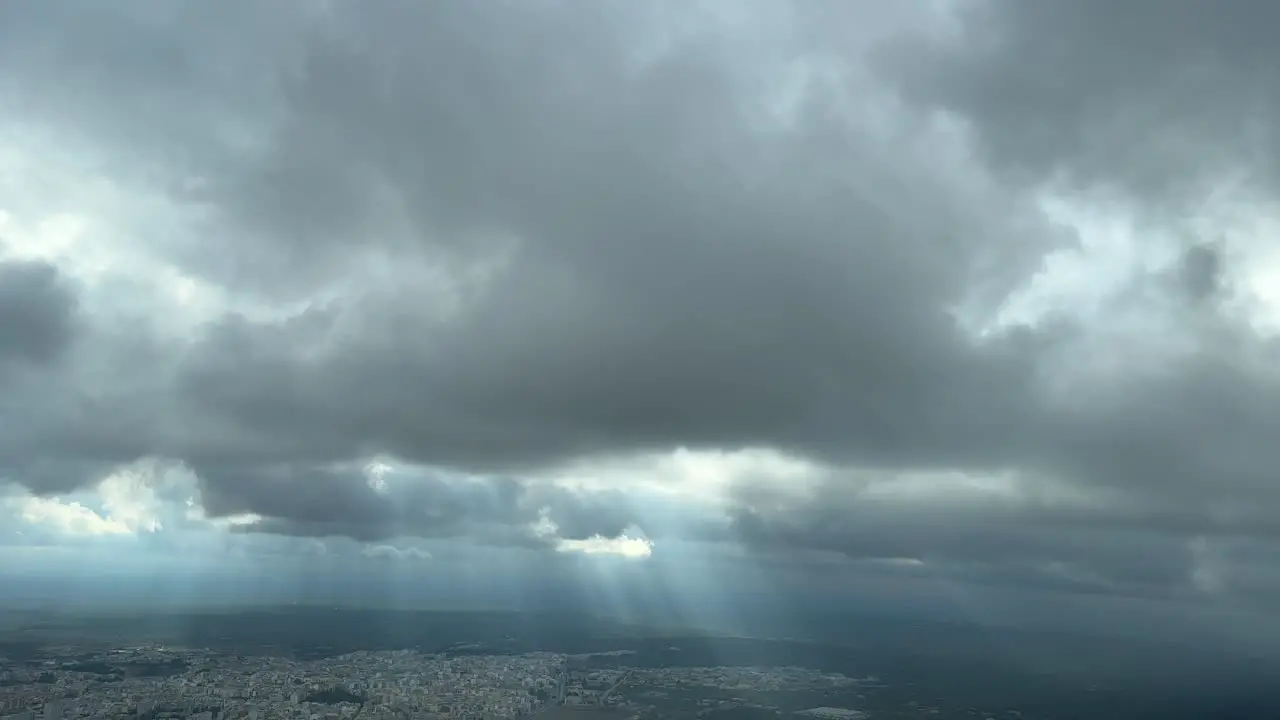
column 38, row 314
column 988, row 282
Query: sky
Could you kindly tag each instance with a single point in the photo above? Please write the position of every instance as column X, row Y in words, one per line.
column 923, row 302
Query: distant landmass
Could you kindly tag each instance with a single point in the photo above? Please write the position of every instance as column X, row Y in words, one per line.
column 1053, row 675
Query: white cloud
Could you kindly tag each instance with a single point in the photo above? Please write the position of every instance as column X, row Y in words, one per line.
column 131, row 500
column 232, row 521
column 630, row 544
column 66, row 518
column 375, row 474
column 128, row 498
column 695, row 475
column 624, row 546
column 392, row 552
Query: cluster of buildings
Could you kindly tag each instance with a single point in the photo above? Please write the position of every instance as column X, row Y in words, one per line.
column 364, row 685
column 155, row 683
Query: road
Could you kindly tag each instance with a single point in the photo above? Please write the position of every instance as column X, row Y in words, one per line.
column 560, row 689
column 564, row 674
column 615, row 686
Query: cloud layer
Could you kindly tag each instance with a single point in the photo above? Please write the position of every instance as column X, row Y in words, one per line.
column 976, row 291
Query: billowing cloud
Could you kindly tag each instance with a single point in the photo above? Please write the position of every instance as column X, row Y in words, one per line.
column 980, row 292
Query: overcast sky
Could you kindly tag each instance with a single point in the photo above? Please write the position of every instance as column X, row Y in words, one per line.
column 986, row 292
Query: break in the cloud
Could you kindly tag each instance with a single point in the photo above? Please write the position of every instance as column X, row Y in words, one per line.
column 982, row 291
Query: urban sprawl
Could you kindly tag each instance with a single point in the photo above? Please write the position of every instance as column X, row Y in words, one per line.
column 159, row 683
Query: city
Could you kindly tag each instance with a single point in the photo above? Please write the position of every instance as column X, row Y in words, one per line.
column 155, row 682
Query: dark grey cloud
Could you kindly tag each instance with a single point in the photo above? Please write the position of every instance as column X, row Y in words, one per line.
column 1162, row 98
column 39, row 323
column 987, row 538
column 319, row 501
column 1202, row 271
column 679, row 274
column 528, row 234
column 37, row 314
